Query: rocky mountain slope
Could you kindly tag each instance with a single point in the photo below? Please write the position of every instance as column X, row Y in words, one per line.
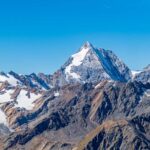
column 92, row 64
column 143, row 76
column 94, row 101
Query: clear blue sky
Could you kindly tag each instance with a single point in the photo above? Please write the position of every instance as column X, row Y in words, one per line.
column 40, row 35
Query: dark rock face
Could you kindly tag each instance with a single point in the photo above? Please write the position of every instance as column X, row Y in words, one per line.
column 108, row 116
column 114, row 135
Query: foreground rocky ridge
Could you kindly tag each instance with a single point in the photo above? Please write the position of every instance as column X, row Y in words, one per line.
column 110, row 115
column 90, row 103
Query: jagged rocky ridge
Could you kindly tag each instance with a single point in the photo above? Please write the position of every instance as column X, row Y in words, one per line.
column 93, row 102
column 91, row 64
column 143, row 76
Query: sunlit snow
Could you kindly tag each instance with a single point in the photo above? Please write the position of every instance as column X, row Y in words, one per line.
column 23, row 101
column 6, row 97
column 26, row 102
column 147, row 93
column 76, row 61
column 56, row 94
column 9, row 78
column 134, row 73
column 3, row 119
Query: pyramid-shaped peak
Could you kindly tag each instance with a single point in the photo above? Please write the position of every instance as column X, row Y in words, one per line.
column 93, row 64
column 87, row 45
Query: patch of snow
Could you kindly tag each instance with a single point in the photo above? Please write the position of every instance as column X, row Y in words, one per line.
column 51, row 86
column 3, row 119
column 56, row 94
column 147, row 93
column 134, row 73
column 9, row 78
column 141, row 99
column 77, row 61
column 98, row 85
column 6, row 97
column 38, row 85
column 101, row 83
column 23, row 101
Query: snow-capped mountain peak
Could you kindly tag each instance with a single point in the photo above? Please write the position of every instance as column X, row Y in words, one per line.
column 77, row 60
column 144, row 75
column 87, row 45
column 91, row 64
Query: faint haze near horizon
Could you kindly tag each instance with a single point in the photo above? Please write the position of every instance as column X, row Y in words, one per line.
column 39, row 36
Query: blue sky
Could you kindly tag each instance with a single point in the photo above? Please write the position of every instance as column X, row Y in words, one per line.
column 40, row 35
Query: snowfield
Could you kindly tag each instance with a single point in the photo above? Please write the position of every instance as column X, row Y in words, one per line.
column 3, row 119
column 76, row 61
column 10, row 79
column 6, row 97
column 56, row 94
column 134, row 73
column 23, row 101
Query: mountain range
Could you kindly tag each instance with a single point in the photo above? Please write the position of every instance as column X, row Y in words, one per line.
column 94, row 101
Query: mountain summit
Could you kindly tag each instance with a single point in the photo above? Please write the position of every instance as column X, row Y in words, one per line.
column 91, row 64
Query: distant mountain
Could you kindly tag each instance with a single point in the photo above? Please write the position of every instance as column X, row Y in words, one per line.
column 94, row 101
column 91, row 64
column 144, row 75
column 39, row 81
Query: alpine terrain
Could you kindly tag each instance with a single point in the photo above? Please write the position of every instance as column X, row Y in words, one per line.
column 93, row 102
